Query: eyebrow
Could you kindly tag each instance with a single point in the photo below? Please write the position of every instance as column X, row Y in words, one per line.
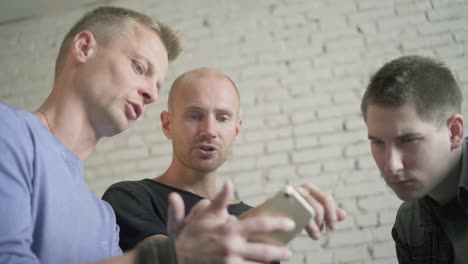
column 405, row 135
column 195, row 107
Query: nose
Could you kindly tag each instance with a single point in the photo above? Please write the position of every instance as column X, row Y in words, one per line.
column 149, row 92
column 208, row 127
column 393, row 161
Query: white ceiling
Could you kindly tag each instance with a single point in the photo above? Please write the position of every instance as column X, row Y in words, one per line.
column 13, row 10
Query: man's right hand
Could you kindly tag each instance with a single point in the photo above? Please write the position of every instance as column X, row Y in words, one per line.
column 210, row 235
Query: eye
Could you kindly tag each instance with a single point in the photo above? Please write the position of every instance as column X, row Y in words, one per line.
column 223, row 118
column 409, row 140
column 375, row 142
column 194, row 116
column 138, row 67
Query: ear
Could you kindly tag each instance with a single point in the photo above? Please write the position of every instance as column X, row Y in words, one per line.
column 237, row 128
column 456, row 132
column 83, row 46
column 166, row 124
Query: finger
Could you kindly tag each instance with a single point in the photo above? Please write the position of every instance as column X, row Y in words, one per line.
column 318, row 208
column 199, row 208
column 175, row 213
column 341, row 214
column 260, row 252
column 314, row 231
column 222, row 199
column 265, row 224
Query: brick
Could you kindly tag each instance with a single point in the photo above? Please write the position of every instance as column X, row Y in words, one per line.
column 400, row 22
column 347, row 238
column 318, row 127
column 357, row 149
column 442, row 27
column 281, row 145
column 374, row 203
column 345, row 138
column 413, row 7
column 366, row 220
column 366, row 189
column 352, row 254
column 267, row 134
column 269, row 160
column 319, row 153
column 384, row 250
column 447, row 13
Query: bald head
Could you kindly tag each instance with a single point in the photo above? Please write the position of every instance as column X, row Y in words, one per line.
column 185, row 81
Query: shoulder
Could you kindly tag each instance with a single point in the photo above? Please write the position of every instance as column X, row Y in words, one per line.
column 407, row 222
column 14, row 120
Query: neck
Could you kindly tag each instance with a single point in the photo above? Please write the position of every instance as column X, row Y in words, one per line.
column 448, row 188
column 66, row 119
column 199, row 183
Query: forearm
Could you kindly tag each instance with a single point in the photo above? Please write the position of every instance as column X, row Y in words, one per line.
column 154, row 251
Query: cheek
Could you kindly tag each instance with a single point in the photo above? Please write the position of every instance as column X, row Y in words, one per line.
column 379, row 156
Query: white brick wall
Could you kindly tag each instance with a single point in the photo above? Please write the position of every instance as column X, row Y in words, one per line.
column 301, row 67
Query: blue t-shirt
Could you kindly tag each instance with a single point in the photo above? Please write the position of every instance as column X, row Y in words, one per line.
column 47, row 213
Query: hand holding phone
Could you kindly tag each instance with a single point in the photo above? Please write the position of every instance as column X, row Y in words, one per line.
column 286, row 203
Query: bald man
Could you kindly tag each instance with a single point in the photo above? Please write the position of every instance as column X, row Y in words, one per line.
column 203, row 122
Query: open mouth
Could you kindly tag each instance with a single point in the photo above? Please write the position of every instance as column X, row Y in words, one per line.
column 136, row 110
column 207, row 148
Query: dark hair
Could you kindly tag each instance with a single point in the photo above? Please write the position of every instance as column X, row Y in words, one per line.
column 424, row 81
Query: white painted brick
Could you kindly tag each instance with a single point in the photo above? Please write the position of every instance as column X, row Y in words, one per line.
column 320, row 153
column 366, row 189
column 252, row 149
column 400, row 22
column 366, row 163
column 427, row 41
column 302, row 116
column 306, row 103
column 368, row 4
column 366, row 220
column 354, row 123
column 347, row 238
column 318, row 127
column 337, row 110
column 258, row 111
column 443, row 26
column 351, row 254
column 239, row 164
column 322, row 257
column 413, row 7
column 276, row 159
column 282, row 173
column 447, row 13
column 346, row 138
column 128, row 154
column 387, row 217
column 338, row 165
column 281, row 145
column 384, row 250
column 309, row 169
column 373, row 203
column 345, row 42
column 382, row 233
column 275, row 121
column 358, row 149
column 268, row 134
column 371, row 15
column 304, row 142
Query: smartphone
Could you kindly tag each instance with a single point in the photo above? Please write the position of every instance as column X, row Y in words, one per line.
column 287, row 203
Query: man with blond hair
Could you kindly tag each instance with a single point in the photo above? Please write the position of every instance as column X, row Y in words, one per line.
column 110, row 66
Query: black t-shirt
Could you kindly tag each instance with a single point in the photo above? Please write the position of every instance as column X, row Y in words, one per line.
column 141, row 208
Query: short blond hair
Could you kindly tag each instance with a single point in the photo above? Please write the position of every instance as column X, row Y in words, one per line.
column 106, row 21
